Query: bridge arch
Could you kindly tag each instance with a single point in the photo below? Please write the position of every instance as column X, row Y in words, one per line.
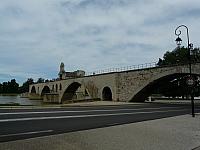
column 70, row 91
column 45, row 90
column 142, row 93
column 33, row 90
column 106, row 94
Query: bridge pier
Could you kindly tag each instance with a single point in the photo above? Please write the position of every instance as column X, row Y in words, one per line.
column 34, row 96
column 51, row 98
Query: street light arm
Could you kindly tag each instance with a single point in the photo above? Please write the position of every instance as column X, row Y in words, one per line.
column 178, row 32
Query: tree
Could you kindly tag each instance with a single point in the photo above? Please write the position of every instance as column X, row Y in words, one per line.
column 13, row 87
column 40, row 80
column 5, row 87
column 179, row 56
column 25, row 87
column 1, row 88
column 9, row 87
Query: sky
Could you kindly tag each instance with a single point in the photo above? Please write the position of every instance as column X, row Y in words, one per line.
column 37, row 35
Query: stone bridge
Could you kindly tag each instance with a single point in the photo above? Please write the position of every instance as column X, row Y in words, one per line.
column 130, row 85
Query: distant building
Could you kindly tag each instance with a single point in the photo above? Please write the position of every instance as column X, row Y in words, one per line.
column 65, row 75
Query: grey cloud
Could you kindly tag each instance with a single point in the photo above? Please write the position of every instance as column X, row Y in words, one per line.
column 37, row 35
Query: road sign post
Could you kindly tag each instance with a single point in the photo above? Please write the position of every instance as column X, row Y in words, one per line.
column 190, row 81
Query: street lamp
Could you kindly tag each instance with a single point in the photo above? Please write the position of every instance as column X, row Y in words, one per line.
column 190, row 81
column 178, row 41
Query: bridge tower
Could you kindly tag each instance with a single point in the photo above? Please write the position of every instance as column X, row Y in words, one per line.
column 61, row 73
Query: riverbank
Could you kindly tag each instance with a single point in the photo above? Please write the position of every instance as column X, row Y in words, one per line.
column 16, row 100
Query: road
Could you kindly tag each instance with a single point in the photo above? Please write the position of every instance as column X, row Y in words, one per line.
column 18, row 124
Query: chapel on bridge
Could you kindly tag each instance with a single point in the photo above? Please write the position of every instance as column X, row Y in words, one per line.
column 66, row 75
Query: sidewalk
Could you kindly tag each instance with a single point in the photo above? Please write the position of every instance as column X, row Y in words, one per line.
column 197, row 102
column 175, row 133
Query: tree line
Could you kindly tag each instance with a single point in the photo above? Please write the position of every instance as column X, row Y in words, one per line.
column 12, row 87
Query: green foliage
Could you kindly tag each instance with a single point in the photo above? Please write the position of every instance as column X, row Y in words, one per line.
column 40, row 80
column 1, row 88
column 9, row 87
column 179, row 56
column 25, row 87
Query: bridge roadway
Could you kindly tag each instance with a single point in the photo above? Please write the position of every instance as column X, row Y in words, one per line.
column 18, row 124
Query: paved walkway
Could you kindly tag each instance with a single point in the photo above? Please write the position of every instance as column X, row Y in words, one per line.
column 176, row 101
column 175, row 133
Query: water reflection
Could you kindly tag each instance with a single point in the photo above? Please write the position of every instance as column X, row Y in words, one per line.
column 19, row 100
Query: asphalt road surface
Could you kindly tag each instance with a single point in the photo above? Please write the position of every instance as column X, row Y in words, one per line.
column 18, row 124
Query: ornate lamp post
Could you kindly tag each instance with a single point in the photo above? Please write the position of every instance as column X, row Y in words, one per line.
column 190, row 81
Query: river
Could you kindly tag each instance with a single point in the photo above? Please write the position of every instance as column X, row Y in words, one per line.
column 19, row 100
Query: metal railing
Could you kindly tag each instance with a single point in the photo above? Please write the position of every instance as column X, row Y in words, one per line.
column 121, row 69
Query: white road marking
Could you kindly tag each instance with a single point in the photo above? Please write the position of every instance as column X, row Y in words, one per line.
column 78, row 111
column 113, row 124
column 25, row 133
column 83, row 116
